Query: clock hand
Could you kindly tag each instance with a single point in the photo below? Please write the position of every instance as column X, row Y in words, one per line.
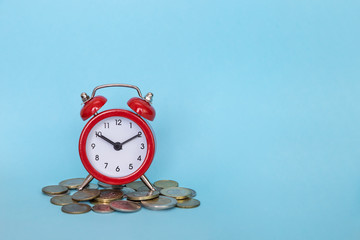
column 117, row 145
column 137, row 135
column 106, row 139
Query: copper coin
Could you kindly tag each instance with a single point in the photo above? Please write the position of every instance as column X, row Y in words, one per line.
column 62, row 200
column 54, row 190
column 108, row 195
column 140, row 196
column 188, row 203
column 102, row 208
column 176, row 192
column 125, row 206
column 76, row 208
column 166, row 183
column 86, row 194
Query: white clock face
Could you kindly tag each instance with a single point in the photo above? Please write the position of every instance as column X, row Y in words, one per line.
column 116, row 147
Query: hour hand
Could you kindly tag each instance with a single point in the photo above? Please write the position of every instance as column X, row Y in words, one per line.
column 105, row 138
column 117, row 145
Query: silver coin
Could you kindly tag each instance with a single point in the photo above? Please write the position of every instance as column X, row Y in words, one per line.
column 160, row 203
column 92, row 186
column 105, row 185
column 86, row 195
column 127, row 190
column 188, row 203
column 62, row 200
column 135, row 185
column 145, row 188
column 166, row 183
column 76, row 208
column 176, row 192
column 125, row 206
column 193, row 193
column 140, row 196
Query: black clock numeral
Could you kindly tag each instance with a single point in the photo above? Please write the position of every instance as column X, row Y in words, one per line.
column 139, row 158
column 106, row 164
column 97, row 158
column 142, row 146
column 130, row 124
column 106, row 125
column 98, row 134
column 117, row 169
column 93, row 145
column 139, row 134
column 118, row 121
column 131, row 166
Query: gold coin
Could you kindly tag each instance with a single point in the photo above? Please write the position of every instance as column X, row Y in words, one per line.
column 105, row 185
column 125, row 206
column 54, row 190
column 76, row 208
column 62, row 200
column 108, row 195
column 75, row 183
column 166, row 183
column 60, row 194
column 160, row 203
column 102, row 208
column 72, row 183
column 140, row 196
column 135, row 185
column 145, row 188
column 94, row 202
column 86, row 194
column 176, row 192
column 188, row 203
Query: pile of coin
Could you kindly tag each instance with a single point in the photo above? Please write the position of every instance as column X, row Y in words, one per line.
column 131, row 197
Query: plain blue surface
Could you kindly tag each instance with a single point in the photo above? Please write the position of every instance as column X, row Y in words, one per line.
column 257, row 110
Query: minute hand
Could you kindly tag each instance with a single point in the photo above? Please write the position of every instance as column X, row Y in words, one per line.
column 137, row 135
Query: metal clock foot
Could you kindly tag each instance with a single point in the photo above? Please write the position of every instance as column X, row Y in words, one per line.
column 147, row 183
column 87, row 180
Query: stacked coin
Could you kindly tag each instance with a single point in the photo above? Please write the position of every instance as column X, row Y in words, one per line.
column 108, row 195
column 119, row 198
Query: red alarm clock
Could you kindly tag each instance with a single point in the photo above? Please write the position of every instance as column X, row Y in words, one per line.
column 117, row 146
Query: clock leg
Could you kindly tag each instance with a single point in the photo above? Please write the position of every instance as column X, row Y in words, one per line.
column 147, row 183
column 87, row 180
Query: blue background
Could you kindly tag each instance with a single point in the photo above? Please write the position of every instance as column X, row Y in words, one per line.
column 257, row 110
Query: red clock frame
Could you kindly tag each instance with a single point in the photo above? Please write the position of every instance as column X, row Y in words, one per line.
column 149, row 154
